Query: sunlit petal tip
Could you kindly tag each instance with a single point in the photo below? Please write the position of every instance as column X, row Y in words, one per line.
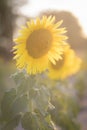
column 14, row 48
column 53, row 19
column 61, row 22
column 49, row 17
column 32, row 22
column 38, row 20
column 28, row 23
column 15, row 40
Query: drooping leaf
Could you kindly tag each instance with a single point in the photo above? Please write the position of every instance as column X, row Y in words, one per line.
column 12, row 104
column 33, row 121
column 11, row 124
column 42, row 99
column 29, row 121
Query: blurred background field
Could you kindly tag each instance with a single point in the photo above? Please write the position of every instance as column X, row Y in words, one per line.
column 73, row 98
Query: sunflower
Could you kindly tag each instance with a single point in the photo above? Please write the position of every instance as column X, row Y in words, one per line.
column 68, row 65
column 39, row 42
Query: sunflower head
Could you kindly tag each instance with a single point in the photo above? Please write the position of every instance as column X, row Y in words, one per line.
column 68, row 65
column 39, row 42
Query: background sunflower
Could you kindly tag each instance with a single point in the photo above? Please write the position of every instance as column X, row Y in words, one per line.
column 67, row 66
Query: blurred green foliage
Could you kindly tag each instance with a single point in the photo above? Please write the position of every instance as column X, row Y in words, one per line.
column 37, row 102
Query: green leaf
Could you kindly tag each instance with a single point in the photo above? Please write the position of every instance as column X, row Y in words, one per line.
column 23, row 79
column 20, row 104
column 36, row 121
column 42, row 99
column 10, row 125
column 6, row 104
column 18, row 77
column 12, row 104
column 29, row 121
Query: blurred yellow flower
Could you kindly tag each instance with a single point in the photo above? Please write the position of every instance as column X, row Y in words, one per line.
column 40, row 42
column 84, row 64
column 68, row 65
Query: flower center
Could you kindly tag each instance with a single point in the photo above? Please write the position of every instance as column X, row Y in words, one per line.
column 59, row 63
column 39, row 43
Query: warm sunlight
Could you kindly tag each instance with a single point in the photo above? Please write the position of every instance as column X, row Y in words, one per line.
column 43, row 65
column 77, row 7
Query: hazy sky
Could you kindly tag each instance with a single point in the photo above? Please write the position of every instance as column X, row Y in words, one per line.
column 77, row 7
